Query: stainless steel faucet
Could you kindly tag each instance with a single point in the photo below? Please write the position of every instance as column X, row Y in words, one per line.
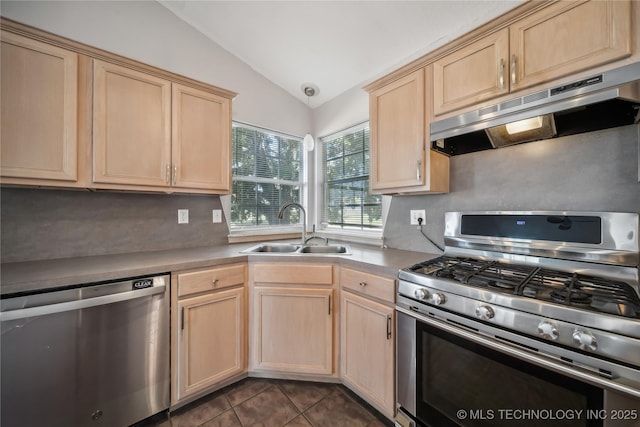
column 304, row 217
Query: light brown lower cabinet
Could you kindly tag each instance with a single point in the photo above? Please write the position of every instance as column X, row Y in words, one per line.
column 292, row 320
column 367, row 338
column 209, row 329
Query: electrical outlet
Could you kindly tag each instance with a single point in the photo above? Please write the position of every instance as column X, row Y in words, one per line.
column 415, row 214
column 217, row 215
column 183, row 216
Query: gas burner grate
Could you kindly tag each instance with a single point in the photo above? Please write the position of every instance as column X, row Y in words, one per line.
column 569, row 289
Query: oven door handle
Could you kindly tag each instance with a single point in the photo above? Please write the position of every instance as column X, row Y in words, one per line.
column 43, row 310
column 584, row 375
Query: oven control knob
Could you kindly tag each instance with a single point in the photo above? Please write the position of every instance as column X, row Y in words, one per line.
column 438, row 298
column 585, row 340
column 548, row 330
column 421, row 294
column 484, row 312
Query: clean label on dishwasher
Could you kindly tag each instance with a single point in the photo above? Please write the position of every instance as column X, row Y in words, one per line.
column 142, row 283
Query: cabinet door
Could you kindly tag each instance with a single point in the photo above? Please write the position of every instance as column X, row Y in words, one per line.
column 131, row 127
column 39, row 113
column 568, row 37
column 201, row 143
column 367, row 350
column 294, row 330
column 473, row 74
column 211, row 340
column 397, row 123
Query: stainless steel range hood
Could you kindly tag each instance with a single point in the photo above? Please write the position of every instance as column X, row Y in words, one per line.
column 602, row 101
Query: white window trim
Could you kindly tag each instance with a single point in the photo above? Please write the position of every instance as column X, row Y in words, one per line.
column 364, row 236
column 312, row 190
column 248, row 233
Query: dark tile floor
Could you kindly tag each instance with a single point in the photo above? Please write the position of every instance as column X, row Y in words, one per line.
column 274, row 403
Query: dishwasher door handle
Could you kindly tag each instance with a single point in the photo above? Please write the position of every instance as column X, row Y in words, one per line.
column 79, row 304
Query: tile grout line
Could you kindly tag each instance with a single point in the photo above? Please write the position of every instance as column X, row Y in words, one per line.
column 299, row 412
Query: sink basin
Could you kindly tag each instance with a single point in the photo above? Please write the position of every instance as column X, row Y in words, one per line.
column 293, row 249
column 330, row 249
column 273, row 247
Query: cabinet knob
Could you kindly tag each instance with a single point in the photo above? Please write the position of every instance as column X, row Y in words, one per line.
column 363, row 284
column 214, row 282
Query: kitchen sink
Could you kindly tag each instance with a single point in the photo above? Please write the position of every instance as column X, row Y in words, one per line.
column 329, row 249
column 293, row 249
column 273, row 247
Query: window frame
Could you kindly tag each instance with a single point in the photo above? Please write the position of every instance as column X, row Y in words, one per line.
column 355, row 234
column 240, row 232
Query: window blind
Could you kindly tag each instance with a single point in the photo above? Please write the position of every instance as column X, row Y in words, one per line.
column 267, row 171
column 347, row 201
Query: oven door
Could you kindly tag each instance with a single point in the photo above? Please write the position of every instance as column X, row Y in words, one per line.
column 457, row 382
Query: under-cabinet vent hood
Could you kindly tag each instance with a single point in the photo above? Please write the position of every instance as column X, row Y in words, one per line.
column 603, row 101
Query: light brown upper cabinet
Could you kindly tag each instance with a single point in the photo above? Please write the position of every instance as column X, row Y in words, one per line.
column 150, row 132
column 201, row 149
column 568, row 37
column 473, row 74
column 39, row 136
column 563, row 38
column 131, row 127
column 400, row 159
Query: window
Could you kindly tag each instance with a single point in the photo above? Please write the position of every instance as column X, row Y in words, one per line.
column 267, row 172
column 348, row 204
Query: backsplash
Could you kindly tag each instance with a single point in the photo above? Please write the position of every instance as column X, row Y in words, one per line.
column 596, row 171
column 46, row 224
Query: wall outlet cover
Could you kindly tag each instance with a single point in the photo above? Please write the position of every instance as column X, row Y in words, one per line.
column 217, row 216
column 183, row 216
column 415, row 214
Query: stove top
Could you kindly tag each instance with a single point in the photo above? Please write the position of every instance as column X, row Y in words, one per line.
column 584, row 292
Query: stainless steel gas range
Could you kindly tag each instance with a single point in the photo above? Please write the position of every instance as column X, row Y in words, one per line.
column 530, row 317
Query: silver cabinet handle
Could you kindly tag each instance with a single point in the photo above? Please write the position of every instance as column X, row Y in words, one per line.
column 363, row 284
column 388, row 327
column 418, row 175
column 175, row 174
column 182, row 319
column 79, row 304
column 167, row 173
column 513, row 68
column 501, row 73
column 214, row 282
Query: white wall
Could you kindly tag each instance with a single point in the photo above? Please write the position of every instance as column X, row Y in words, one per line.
column 148, row 32
column 348, row 109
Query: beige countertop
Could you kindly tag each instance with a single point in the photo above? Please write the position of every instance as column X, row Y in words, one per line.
column 55, row 273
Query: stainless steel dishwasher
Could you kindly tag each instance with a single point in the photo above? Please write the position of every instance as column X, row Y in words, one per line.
column 91, row 355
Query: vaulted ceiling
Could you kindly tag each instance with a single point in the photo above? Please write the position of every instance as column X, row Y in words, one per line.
column 333, row 45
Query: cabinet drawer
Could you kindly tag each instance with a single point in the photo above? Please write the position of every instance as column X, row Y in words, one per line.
column 382, row 288
column 210, row 279
column 311, row 274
